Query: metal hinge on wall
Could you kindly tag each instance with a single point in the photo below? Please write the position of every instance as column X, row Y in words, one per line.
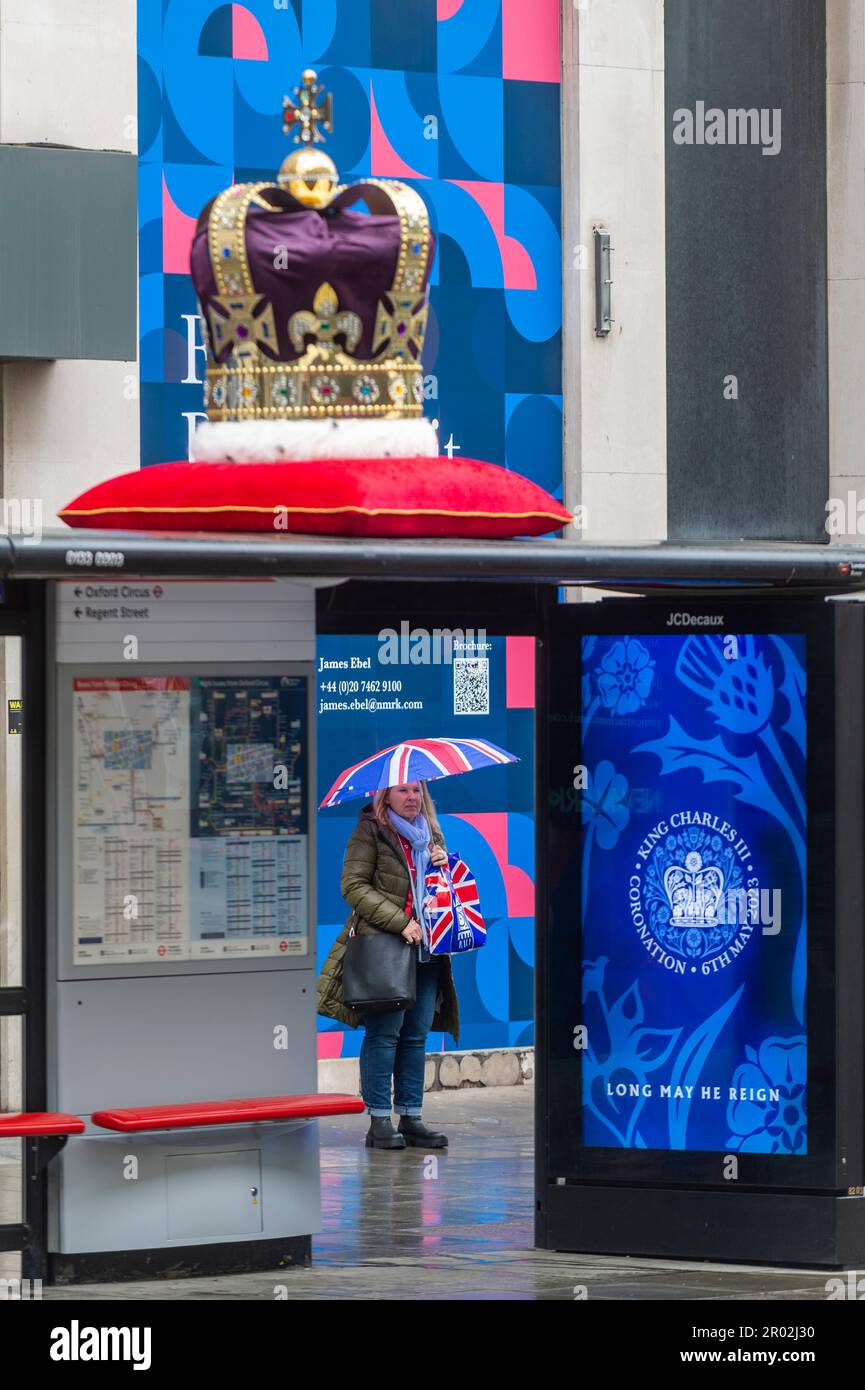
column 603, row 282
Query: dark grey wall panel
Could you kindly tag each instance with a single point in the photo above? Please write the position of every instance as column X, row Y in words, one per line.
column 746, row 275
column 67, row 253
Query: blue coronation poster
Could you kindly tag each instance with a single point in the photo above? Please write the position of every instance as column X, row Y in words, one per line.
column 693, row 892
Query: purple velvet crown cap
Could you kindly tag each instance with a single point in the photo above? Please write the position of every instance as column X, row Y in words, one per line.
column 291, row 253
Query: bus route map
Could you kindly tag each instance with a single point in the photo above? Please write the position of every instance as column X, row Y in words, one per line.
column 190, row 820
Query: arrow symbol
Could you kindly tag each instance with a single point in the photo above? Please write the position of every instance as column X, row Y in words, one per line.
column 78, row 592
column 78, row 612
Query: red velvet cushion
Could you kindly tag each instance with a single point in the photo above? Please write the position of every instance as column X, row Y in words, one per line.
column 344, row 497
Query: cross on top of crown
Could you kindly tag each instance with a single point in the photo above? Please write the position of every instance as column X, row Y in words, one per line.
column 306, row 113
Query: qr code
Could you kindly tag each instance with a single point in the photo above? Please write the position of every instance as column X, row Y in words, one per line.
column 471, row 685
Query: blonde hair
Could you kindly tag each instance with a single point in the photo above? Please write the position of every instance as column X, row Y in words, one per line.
column 381, row 803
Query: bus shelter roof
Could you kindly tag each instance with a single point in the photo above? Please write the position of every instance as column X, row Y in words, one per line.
column 639, row 567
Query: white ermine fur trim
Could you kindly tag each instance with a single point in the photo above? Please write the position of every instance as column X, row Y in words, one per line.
column 272, row 441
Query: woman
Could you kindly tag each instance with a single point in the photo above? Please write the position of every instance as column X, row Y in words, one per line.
column 386, row 860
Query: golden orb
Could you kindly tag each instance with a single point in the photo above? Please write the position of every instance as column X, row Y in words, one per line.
column 310, row 175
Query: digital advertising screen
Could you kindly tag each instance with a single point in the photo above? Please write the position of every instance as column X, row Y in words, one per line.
column 693, row 892
column 690, row 916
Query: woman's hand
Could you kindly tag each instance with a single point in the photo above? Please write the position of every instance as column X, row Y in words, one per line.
column 438, row 856
column 412, row 932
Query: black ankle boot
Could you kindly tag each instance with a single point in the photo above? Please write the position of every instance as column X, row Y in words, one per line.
column 382, row 1134
column 416, row 1133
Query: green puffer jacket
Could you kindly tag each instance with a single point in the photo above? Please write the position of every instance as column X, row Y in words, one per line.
column 375, row 882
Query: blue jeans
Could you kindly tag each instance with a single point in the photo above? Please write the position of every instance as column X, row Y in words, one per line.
column 394, row 1044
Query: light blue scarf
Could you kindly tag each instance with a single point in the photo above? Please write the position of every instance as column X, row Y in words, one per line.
column 417, row 833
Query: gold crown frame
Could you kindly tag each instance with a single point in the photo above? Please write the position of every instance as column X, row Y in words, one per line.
column 326, row 379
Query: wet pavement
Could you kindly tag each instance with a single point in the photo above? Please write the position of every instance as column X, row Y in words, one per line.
column 455, row 1224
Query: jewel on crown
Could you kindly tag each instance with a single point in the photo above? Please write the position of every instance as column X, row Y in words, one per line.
column 694, row 891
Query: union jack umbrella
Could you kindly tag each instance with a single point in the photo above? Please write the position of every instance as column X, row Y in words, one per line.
column 453, row 921
column 415, row 760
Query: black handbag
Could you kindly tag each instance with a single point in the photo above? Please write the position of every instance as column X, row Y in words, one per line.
column 379, row 971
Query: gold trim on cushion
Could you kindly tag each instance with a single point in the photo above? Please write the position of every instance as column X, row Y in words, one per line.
column 316, row 511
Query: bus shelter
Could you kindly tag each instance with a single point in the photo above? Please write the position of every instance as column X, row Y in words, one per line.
column 699, row 927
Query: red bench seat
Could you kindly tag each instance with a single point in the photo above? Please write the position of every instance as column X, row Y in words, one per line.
column 227, row 1112
column 36, row 1124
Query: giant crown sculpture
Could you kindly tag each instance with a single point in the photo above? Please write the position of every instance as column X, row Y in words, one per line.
column 313, row 312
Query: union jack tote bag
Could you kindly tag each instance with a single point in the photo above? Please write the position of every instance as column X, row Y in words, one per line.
column 453, row 922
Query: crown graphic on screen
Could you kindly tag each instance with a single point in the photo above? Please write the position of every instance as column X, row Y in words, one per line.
column 694, row 891
column 313, row 308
